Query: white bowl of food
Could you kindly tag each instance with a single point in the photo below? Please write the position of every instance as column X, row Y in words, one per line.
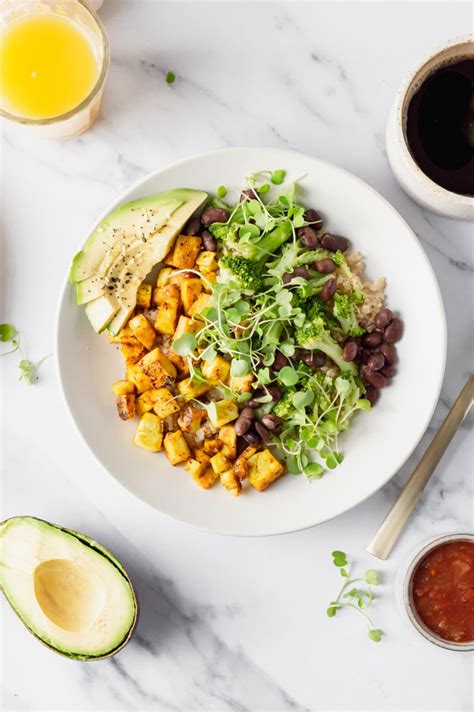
column 287, row 351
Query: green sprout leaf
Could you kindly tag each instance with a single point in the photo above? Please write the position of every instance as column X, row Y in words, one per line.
column 170, row 77
column 264, row 188
column 332, row 610
column 221, row 191
column 239, row 367
column 372, row 577
column 313, row 471
column 278, row 177
column 339, row 558
column 7, row 332
column 185, row 344
column 288, row 376
column 376, row 634
column 302, row 398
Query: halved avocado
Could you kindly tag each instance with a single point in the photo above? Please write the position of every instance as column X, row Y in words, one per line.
column 124, row 248
column 69, row 591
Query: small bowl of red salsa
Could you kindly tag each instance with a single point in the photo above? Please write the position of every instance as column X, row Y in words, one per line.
column 438, row 591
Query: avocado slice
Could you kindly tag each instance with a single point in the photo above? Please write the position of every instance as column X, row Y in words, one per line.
column 69, row 591
column 124, row 248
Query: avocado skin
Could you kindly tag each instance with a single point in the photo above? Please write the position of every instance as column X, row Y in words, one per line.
column 85, row 540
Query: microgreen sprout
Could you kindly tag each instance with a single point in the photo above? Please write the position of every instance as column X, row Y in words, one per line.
column 357, row 597
column 221, row 191
column 28, row 369
column 170, row 77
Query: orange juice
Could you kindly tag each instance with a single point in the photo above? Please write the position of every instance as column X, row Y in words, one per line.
column 47, row 66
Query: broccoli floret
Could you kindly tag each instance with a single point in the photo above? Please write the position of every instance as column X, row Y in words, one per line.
column 318, row 308
column 224, row 231
column 285, row 408
column 266, row 246
column 346, row 314
column 314, row 334
column 244, row 271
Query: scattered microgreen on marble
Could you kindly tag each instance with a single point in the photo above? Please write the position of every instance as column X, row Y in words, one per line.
column 28, row 369
column 359, row 598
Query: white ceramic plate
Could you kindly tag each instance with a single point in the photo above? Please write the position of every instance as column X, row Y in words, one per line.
column 378, row 442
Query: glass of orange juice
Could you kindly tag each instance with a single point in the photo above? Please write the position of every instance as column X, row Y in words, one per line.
column 54, row 59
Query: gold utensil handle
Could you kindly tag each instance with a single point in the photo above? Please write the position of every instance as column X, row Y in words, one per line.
column 387, row 534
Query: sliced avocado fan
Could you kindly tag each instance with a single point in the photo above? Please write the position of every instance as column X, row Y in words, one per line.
column 68, row 591
column 123, row 249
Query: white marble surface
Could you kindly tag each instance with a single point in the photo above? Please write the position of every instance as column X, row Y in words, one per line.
column 226, row 624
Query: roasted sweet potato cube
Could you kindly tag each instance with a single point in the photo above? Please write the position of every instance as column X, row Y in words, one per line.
column 220, row 463
column 228, row 436
column 191, row 288
column 264, row 469
column 168, row 308
column 190, row 389
column 144, row 296
column 206, row 262
column 122, row 387
column 163, row 276
column 158, row 367
column 146, row 401
column 125, row 336
column 206, row 479
column 194, row 467
column 212, row 278
column 202, row 457
column 149, row 435
column 126, row 406
column 241, row 464
column 143, row 331
column 241, row 384
column 139, row 378
column 176, row 448
column 217, row 370
column 230, row 482
column 132, row 352
column 212, row 446
column 186, row 249
column 187, row 326
column 222, row 412
column 180, row 362
column 164, row 404
column 200, row 304
column 190, row 418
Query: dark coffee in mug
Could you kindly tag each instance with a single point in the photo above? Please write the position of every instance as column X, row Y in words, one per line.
column 440, row 127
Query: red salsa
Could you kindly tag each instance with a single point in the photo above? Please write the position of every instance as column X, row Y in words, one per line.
column 443, row 591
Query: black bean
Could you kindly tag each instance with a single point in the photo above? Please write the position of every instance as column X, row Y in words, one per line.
column 383, row 318
column 389, row 371
column 262, row 432
column 212, row 215
column 279, row 362
column 328, row 290
column 365, row 355
column 350, row 351
column 390, row 353
column 376, row 362
column 272, row 422
column 372, row 340
column 241, row 445
column 248, row 193
column 308, row 237
column 325, row 266
column 287, row 277
column 193, row 226
column 299, row 354
column 301, row 272
column 251, row 437
column 248, row 413
column 312, row 216
column 333, row 243
column 274, row 391
column 242, row 425
column 314, row 359
column 252, row 403
column 393, row 331
column 374, row 378
column 209, row 242
column 372, row 394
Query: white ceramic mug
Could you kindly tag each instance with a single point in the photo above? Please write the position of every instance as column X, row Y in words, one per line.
column 422, row 189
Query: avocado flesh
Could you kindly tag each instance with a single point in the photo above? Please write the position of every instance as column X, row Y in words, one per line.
column 67, row 590
column 125, row 265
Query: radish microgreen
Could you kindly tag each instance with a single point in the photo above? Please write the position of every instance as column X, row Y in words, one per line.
column 28, row 369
